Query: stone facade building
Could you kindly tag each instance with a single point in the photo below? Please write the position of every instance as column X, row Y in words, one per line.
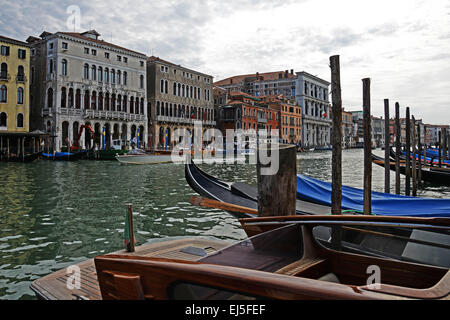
column 312, row 96
column 177, row 97
column 78, row 79
column 310, row 93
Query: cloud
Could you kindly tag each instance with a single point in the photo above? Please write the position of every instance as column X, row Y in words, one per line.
column 402, row 45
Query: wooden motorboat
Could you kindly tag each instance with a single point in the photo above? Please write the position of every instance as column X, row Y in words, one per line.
column 237, row 193
column 430, row 174
column 141, row 157
column 297, row 258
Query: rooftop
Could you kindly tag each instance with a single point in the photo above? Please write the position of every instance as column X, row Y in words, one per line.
column 268, row 76
column 13, row 41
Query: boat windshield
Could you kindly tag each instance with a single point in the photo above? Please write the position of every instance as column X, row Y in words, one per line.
column 409, row 244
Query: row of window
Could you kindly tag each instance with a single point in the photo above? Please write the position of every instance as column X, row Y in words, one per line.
column 315, row 91
column 263, row 114
column 4, row 120
column 316, row 110
column 108, row 76
column 181, row 111
column 4, row 72
column 21, row 53
column 185, row 91
column 101, row 101
column 4, row 95
column 187, row 75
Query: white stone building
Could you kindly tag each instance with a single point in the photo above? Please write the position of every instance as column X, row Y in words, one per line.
column 78, row 79
column 312, row 95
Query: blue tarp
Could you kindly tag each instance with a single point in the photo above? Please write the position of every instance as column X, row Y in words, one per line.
column 57, row 154
column 317, row 191
column 435, row 158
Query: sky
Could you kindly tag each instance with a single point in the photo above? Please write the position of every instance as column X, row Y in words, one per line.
column 402, row 45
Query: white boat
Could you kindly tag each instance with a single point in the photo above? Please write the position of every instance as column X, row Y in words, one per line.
column 140, row 157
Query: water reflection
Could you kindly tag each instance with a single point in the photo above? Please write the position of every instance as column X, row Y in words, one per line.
column 54, row 214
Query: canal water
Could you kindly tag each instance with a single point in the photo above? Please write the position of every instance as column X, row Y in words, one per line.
column 55, row 214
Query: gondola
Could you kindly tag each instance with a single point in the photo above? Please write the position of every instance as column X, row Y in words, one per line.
column 62, row 156
column 432, row 161
column 238, row 193
column 314, row 197
column 430, row 174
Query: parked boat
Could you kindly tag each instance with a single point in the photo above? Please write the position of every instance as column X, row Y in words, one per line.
column 62, row 156
column 297, row 258
column 317, row 191
column 141, row 157
column 237, row 193
column 430, row 174
column 433, row 161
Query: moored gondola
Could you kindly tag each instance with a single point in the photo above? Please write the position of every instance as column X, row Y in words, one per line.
column 430, row 174
column 238, row 193
column 62, row 156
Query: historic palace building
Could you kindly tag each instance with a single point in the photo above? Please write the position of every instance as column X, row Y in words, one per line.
column 78, row 79
column 177, row 97
column 14, row 86
column 310, row 93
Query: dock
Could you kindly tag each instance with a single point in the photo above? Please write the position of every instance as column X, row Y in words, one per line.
column 54, row 286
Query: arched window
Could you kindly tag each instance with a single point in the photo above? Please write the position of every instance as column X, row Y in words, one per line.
column 70, row 98
column 94, row 100
column 136, row 106
column 50, row 98
column 20, row 120
column 3, row 94
column 51, row 67
column 162, row 85
column 100, row 74
column 19, row 95
column 183, row 92
column 20, row 74
column 3, row 119
column 113, row 76
column 78, row 99
column 86, row 71
column 119, row 103
column 113, row 102
column 100, row 100
column 142, row 82
column 107, row 101
column 179, row 90
column 142, row 106
column 94, row 72
column 166, row 89
column 192, row 92
column 106, row 75
column 64, row 67
column 86, row 100
column 125, row 78
column 158, row 112
column 132, row 105
column 119, row 77
column 63, row 97
column 174, row 90
column 125, row 100
column 4, row 71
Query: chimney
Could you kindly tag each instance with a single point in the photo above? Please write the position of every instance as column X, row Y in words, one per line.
column 231, row 81
column 292, row 71
column 286, row 72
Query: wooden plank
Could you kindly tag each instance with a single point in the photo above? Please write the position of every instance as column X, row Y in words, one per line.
column 414, row 162
column 367, row 148
column 336, row 137
column 54, row 286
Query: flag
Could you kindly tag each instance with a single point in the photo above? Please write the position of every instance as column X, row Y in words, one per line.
column 126, row 233
column 138, row 137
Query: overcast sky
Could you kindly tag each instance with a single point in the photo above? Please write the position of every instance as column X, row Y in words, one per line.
column 402, row 45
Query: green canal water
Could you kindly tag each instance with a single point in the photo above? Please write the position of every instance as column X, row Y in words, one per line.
column 55, row 214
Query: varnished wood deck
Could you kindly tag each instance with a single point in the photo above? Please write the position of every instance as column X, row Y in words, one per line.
column 54, row 286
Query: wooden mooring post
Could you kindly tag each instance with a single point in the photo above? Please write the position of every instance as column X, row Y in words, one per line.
column 398, row 148
column 408, row 154
column 277, row 189
column 130, row 244
column 414, row 161
column 367, row 148
column 336, row 137
column 387, row 145
column 419, row 145
column 445, row 146
column 440, row 148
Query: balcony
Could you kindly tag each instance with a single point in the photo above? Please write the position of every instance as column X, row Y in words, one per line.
column 20, row 78
column 182, row 120
column 4, row 76
column 113, row 115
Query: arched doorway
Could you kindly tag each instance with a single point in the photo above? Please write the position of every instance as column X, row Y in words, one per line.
column 65, row 133
column 108, row 141
column 87, row 136
column 75, row 128
column 97, row 135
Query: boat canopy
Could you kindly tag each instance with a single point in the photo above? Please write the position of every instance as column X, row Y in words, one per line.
column 317, row 191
